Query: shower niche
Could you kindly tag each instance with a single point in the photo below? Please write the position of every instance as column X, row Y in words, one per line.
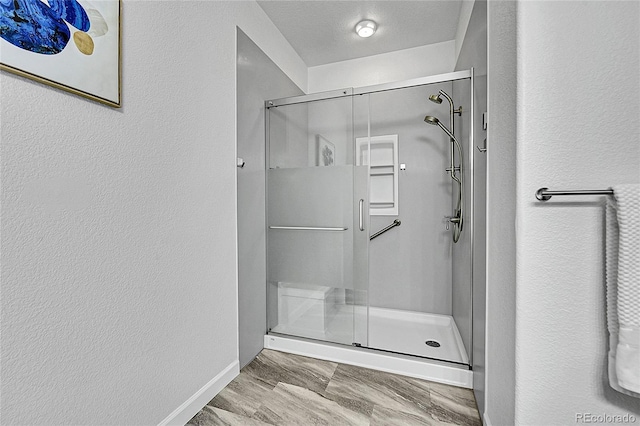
column 380, row 153
column 333, row 180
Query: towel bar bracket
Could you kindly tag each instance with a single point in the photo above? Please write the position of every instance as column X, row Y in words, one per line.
column 541, row 196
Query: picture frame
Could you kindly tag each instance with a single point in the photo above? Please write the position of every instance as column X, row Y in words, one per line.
column 326, row 151
column 73, row 45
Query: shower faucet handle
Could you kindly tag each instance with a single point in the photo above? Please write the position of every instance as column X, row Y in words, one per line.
column 453, row 219
column 484, row 148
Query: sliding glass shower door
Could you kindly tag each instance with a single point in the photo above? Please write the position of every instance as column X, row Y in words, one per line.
column 317, row 221
column 350, row 165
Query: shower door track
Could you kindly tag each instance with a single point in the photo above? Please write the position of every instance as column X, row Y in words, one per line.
column 405, row 355
column 439, row 78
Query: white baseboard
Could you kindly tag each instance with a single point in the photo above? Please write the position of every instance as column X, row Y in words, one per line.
column 485, row 420
column 191, row 406
column 391, row 363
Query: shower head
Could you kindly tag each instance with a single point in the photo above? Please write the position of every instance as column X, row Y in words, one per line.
column 431, row 120
column 435, row 98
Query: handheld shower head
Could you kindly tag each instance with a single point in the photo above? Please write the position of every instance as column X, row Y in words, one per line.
column 431, row 120
column 435, row 98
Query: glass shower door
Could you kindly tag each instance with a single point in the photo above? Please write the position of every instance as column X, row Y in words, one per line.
column 420, row 283
column 317, row 223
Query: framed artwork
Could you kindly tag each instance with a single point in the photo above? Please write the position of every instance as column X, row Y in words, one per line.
column 326, row 152
column 70, row 44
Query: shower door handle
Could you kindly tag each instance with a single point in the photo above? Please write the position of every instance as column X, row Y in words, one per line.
column 361, row 215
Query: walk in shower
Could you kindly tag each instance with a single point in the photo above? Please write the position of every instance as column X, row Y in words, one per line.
column 343, row 166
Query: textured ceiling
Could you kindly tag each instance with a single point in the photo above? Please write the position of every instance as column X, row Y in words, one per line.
column 324, row 31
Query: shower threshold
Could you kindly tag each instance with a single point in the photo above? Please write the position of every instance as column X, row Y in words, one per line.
column 410, row 366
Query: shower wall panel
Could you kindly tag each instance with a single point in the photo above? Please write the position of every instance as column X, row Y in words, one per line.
column 258, row 79
column 410, row 266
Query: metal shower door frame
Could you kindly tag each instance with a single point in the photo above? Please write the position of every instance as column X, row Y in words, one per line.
column 439, row 78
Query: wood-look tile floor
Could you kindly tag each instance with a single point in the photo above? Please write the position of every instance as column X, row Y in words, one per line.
column 284, row 389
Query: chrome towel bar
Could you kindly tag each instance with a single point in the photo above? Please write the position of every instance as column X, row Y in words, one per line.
column 544, row 194
column 385, row 229
column 308, row 228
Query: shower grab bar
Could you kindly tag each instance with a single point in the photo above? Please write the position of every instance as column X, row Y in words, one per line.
column 308, row 228
column 544, row 194
column 385, row 229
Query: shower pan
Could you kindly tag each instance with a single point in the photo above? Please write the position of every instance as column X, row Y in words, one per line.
column 342, row 166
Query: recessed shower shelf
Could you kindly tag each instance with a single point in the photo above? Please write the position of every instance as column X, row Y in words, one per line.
column 380, row 153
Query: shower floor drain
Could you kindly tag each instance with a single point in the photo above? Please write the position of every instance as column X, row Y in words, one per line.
column 432, row 343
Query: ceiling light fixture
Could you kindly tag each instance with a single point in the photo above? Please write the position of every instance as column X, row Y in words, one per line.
column 366, row 28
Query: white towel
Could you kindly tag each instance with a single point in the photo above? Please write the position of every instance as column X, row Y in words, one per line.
column 623, row 288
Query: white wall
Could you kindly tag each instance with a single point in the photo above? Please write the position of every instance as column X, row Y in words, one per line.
column 578, row 112
column 118, row 225
column 501, row 212
column 463, row 23
column 400, row 65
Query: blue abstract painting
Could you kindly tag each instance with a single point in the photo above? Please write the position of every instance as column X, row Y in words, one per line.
column 36, row 40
